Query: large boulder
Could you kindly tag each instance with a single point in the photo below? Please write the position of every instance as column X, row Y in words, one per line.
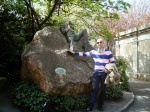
column 46, row 54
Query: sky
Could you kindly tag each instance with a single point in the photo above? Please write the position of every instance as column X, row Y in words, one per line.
column 139, row 5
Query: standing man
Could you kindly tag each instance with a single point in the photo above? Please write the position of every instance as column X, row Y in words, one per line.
column 70, row 35
column 101, row 57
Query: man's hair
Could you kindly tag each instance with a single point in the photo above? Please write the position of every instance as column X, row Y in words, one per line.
column 66, row 19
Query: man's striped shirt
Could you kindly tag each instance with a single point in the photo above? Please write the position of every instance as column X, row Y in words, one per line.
column 100, row 58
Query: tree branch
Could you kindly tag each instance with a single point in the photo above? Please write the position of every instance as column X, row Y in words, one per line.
column 51, row 13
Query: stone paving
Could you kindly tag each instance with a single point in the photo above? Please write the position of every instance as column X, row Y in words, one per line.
column 141, row 90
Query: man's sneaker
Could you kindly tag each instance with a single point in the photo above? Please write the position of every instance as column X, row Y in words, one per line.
column 87, row 109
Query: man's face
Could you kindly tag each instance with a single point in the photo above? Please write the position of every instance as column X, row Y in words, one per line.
column 66, row 23
column 100, row 43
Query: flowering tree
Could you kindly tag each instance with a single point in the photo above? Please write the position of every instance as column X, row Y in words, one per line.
column 138, row 14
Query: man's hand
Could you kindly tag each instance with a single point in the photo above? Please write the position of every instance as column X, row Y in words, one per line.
column 71, row 51
column 107, row 71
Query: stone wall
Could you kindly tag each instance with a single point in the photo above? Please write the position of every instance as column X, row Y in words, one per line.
column 134, row 45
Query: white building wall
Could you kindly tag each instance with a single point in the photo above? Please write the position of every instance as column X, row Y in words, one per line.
column 134, row 46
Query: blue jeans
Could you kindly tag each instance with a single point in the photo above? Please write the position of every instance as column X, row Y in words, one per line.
column 98, row 78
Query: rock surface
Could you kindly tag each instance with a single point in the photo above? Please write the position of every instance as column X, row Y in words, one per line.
column 48, row 51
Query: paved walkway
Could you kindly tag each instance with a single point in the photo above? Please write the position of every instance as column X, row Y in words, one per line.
column 6, row 104
column 116, row 106
column 137, row 102
column 141, row 90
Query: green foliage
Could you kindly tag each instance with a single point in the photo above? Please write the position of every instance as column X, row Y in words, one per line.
column 84, row 13
column 121, row 64
column 12, row 36
column 30, row 96
column 114, row 93
column 68, row 103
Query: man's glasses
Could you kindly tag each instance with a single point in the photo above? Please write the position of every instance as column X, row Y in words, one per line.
column 99, row 42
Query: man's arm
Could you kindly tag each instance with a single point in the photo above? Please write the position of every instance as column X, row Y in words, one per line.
column 111, row 58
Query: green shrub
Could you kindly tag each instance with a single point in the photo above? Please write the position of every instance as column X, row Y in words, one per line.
column 29, row 96
column 13, row 35
column 121, row 64
column 68, row 103
column 114, row 93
